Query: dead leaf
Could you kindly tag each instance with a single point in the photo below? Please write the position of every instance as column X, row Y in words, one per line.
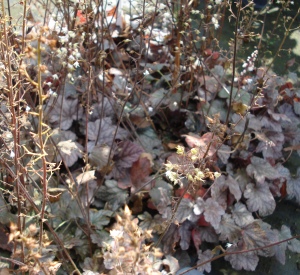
column 85, row 177
column 140, row 171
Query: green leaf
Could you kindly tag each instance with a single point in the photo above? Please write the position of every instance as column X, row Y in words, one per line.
column 99, row 218
column 111, row 193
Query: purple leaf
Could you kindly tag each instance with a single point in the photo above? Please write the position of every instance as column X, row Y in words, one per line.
column 224, row 153
column 102, row 109
column 213, row 212
column 241, row 215
column 184, row 211
column 260, row 169
column 254, row 236
column 103, row 131
column 208, row 234
column 128, row 153
column 293, row 186
column 228, row 229
column 203, row 257
column 221, row 184
column 278, row 250
column 260, row 199
column 170, row 239
column 64, row 111
column 271, row 124
column 297, row 107
column 272, row 144
column 161, row 199
column 246, row 260
column 70, row 151
column 185, row 235
column 294, row 244
column 100, row 156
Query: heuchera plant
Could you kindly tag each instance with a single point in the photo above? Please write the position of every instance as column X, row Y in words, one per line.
column 141, row 139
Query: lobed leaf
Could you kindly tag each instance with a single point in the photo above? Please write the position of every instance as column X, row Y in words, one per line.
column 203, row 257
column 213, row 212
column 241, row 215
column 260, row 169
column 244, row 260
column 260, row 199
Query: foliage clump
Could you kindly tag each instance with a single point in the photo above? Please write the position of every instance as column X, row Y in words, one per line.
column 131, row 138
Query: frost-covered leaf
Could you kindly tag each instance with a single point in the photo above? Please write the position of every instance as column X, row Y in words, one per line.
column 260, row 199
column 213, row 212
column 99, row 218
column 64, row 111
column 260, row 169
column 241, row 215
column 185, row 235
column 203, row 257
column 293, row 186
column 228, row 230
column 184, row 211
column 111, row 193
column 70, row 151
column 245, row 260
